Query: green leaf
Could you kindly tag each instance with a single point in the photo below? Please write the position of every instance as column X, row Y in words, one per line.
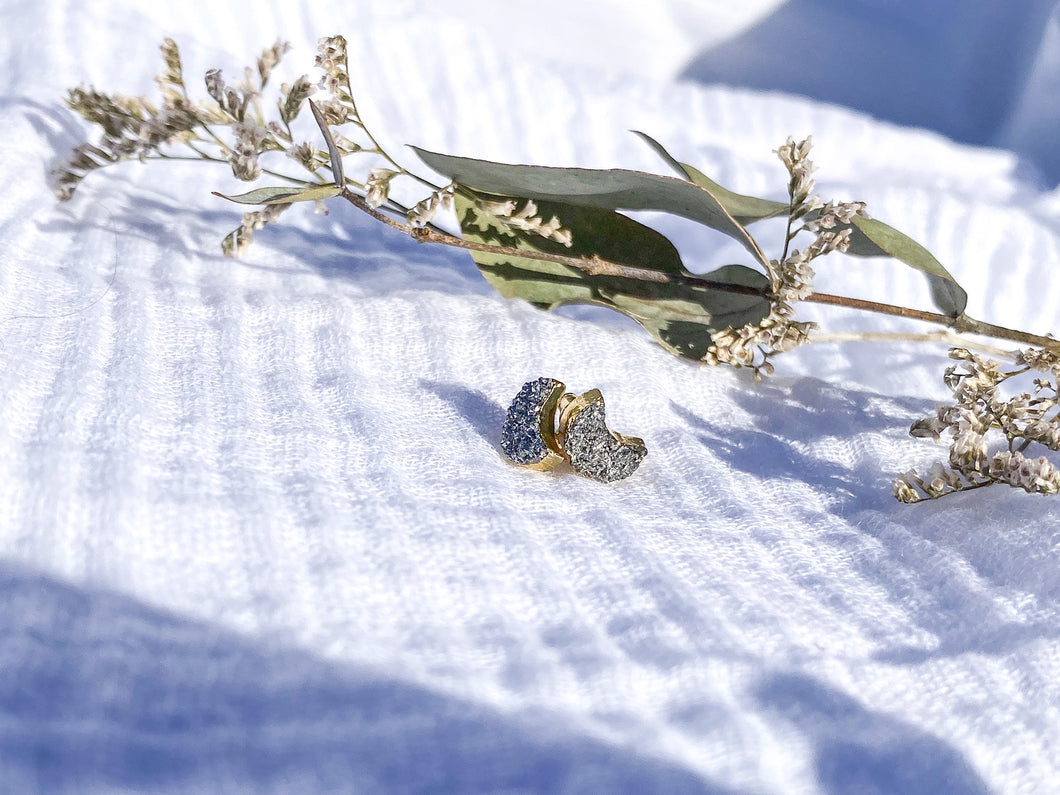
column 333, row 150
column 745, row 209
column 611, row 189
column 285, row 195
column 660, row 150
column 681, row 317
column 868, row 237
column 872, row 238
column 678, row 321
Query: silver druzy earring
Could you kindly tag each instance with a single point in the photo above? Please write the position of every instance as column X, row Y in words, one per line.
column 544, row 427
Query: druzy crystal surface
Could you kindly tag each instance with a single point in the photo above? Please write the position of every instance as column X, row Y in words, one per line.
column 521, row 438
column 596, row 452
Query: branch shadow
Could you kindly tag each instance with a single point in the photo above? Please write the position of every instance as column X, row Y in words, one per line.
column 943, row 553
column 102, row 692
column 787, row 418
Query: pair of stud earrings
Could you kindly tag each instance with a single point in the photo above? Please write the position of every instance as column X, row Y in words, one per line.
column 545, row 426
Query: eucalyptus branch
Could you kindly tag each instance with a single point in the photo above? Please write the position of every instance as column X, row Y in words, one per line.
column 555, row 236
column 597, row 266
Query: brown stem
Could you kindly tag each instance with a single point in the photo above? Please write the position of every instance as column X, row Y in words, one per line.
column 961, row 324
column 597, row 266
column 972, row 484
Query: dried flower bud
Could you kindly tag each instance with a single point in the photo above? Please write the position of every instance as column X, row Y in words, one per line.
column 335, row 113
column 526, row 219
column 231, row 101
column 238, row 240
column 292, row 97
column 308, row 156
column 215, row 85
column 331, row 59
column 377, row 188
column 927, row 427
column 1033, row 475
column 174, row 73
column 501, row 209
column 904, row 490
column 269, row 58
column 423, row 213
column 331, row 51
column 1040, row 359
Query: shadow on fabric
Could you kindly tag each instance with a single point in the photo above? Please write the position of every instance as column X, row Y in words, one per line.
column 486, row 416
column 955, row 67
column 789, row 417
column 103, row 692
column 859, row 750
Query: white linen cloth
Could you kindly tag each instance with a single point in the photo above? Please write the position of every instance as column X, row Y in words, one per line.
column 256, row 533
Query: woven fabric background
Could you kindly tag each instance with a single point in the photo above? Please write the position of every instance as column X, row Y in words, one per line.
column 256, row 533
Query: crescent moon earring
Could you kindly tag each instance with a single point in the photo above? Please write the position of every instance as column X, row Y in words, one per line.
column 533, row 437
column 529, row 434
column 592, row 449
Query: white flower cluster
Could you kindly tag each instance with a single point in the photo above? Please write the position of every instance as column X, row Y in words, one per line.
column 231, row 101
column 292, row 96
column 1040, row 359
column 527, row 220
column 238, row 240
column 791, row 279
column 377, row 188
column 1034, row 475
column 338, row 108
column 796, row 159
column 251, row 139
column 830, row 214
column 423, row 213
column 978, row 409
column 752, row 345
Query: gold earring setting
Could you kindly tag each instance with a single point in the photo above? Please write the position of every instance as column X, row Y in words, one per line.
column 544, row 427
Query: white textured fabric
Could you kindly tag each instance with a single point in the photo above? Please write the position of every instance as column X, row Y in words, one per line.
column 256, row 533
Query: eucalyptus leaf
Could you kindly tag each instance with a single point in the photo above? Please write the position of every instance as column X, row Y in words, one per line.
column 745, row 209
column 660, row 150
column 283, row 195
column 336, row 157
column 868, row 236
column 871, row 238
column 610, row 189
column 680, row 316
column 678, row 322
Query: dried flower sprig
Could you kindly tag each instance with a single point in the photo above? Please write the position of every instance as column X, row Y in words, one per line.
column 979, row 411
column 229, row 127
column 135, row 128
column 526, row 219
column 791, row 277
column 553, row 236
